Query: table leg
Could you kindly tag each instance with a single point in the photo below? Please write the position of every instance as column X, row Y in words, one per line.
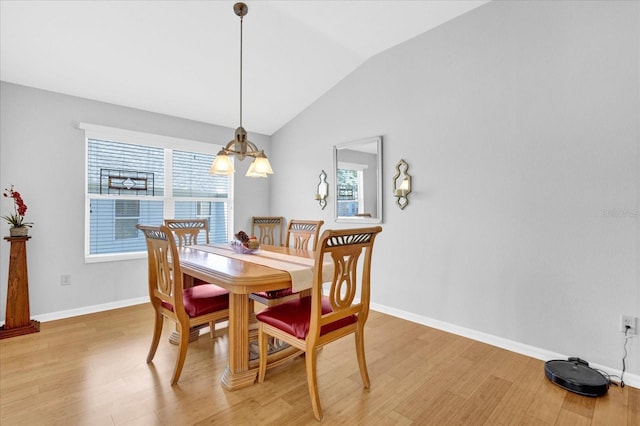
column 237, row 375
column 194, row 334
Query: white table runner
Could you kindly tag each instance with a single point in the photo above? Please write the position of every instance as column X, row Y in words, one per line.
column 299, row 268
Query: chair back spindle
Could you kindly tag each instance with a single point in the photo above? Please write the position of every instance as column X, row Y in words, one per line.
column 351, row 277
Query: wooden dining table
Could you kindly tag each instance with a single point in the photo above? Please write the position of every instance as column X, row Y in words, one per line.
column 241, row 277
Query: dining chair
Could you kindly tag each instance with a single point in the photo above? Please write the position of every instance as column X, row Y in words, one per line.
column 270, row 229
column 303, row 235
column 187, row 232
column 310, row 322
column 187, row 307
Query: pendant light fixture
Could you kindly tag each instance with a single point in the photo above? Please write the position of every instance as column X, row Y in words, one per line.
column 240, row 146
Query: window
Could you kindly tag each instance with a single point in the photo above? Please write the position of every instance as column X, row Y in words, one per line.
column 142, row 180
column 350, row 189
column 203, row 208
column 126, row 218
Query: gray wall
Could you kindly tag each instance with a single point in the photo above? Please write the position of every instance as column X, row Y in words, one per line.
column 520, row 125
column 42, row 153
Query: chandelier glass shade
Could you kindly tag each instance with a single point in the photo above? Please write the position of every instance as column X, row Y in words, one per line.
column 240, row 146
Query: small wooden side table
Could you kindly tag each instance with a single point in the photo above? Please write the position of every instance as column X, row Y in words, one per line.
column 17, row 318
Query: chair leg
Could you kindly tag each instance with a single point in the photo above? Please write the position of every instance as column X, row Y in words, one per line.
column 183, row 345
column 312, row 382
column 263, row 349
column 362, row 362
column 212, row 329
column 157, row 332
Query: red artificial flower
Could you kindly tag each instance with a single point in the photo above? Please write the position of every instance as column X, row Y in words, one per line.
column 20, row 208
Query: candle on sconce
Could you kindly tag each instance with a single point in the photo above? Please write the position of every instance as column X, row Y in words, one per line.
column 404, row 186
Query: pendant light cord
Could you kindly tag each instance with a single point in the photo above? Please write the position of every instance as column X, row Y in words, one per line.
column 241, row 19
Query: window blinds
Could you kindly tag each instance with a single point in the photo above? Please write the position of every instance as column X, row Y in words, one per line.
column 130, row 184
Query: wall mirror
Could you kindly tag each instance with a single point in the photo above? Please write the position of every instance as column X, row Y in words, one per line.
column 357, row 168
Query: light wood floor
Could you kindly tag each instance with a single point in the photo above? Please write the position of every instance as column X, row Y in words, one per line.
column 91, row 370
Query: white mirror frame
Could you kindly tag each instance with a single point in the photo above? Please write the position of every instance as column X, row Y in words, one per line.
column 367, row 147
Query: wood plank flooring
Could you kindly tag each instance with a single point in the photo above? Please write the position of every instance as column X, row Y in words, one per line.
column 91, row 370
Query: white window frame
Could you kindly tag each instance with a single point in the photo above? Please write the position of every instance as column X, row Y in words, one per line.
column 95, row 131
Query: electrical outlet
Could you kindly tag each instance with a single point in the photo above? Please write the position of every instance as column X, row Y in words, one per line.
column 629, row 321
column 65, row 279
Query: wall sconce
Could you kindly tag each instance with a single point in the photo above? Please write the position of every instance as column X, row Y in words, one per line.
column 403, row 188
column 323, row 190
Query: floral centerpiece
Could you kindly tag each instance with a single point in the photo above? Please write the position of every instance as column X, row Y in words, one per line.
column 18, row 226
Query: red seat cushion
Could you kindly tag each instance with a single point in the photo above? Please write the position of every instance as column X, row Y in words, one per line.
column 198, row 281
column 294, row 317
column 274, row 294
column 203, row 299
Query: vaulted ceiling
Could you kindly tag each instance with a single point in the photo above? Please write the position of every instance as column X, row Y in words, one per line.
column 181, row 58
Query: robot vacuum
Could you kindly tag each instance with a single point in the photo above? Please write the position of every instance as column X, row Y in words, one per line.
column 576, row 376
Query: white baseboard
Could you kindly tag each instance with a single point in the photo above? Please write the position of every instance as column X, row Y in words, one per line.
column 510, row 345
column 632, row 380
column 88, row 310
